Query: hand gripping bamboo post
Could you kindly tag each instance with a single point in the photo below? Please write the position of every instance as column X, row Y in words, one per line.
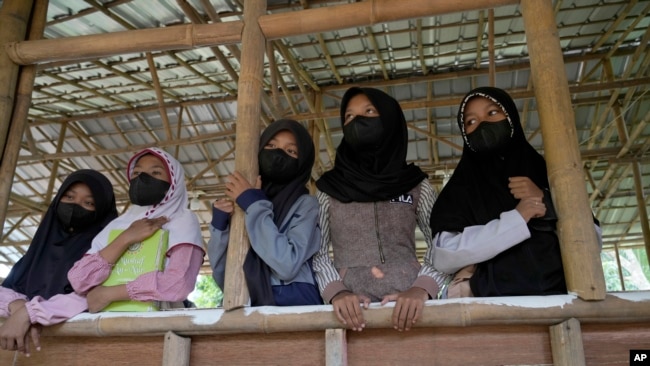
column 247, row 138
column 578, row 242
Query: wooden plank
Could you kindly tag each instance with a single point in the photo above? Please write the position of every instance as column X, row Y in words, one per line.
column 336, row 347
column 176, row 350
column 566, row 343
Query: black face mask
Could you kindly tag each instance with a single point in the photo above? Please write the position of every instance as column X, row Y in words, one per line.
column 277, row 166
column 363, row 133
column 146, row 190
column 74, row 217
column 490, row 136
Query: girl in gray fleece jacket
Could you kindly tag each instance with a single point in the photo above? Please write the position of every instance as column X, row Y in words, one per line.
column 281, row 220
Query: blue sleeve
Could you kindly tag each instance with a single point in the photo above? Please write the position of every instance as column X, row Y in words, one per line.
column 287, row 251
column 217, row 247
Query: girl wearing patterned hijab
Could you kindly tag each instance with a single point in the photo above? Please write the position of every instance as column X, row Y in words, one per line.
column 159, row 201
column 494, row 222
column 281, row 220
column 37, row 290
column 371, row 202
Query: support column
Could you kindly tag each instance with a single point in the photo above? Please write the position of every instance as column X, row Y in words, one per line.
column 578, row 241
column 176, row 350
column 249, row 102
column 14, row 17
column 16, row 120
column 566, row 343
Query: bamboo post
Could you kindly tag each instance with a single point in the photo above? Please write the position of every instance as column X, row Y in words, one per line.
column 566, row 343
column 14, row 16
column 17, row 119
column 578, row 242
column 643, row 210
column 336, row 347
column 177, row 349
column 247, row 138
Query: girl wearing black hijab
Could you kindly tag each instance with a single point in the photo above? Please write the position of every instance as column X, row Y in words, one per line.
column 37, row 290
column 371, row 202
column 494, row 222
column 281, row 220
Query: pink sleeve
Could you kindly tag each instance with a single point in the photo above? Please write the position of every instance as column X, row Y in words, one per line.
column 57, row 309
column 7, row 296
column 175, row 282
column 89, row 271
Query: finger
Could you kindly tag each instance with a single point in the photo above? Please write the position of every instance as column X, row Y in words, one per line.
column 27, row 347
column 400, row 316
column 339, row 315
column 258, row 182
column 36, row 337
column 388, row 298
column 20, row 343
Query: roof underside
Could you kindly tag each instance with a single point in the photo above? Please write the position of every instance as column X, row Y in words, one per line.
column 95, row 113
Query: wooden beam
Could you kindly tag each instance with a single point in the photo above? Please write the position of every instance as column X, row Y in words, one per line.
column 176, row 350
column 336, row 347
column 364, row 13
column 246, row 143
column 179, row 37
column 578, row 242
column 566, row 344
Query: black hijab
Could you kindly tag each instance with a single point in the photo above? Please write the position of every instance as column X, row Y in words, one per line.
column 377, row 175
column 478, row 190
column 43, row 270
column 478, row 193
column 283, row 196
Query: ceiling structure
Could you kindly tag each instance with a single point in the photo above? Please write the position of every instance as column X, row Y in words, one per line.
column 96, row 112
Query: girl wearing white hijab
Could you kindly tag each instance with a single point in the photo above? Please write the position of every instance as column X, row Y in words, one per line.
column 159, row 201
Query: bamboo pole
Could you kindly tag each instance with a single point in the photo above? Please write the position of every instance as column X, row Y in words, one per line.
column 246, row 142
column 179, row 37
column 566, row 344
column 273, row 26
column 17, row 119
column 14, row 16
column 643, row 210
column 578, row 242
column 329, row 18
column 616, row 309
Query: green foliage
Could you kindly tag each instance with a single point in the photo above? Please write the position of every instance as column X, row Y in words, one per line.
column 635, row 269
column 206, row 293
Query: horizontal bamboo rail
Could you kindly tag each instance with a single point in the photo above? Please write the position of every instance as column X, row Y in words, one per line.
column 201, row 35
column 364, row 13
column 628, row 307
column 179, row 37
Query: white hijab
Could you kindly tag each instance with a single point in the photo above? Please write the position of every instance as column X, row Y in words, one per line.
column 183, row 225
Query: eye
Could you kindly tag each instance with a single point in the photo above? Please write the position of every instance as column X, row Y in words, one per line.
column 371, row 111
column 269, row 145
column 349, row 117
column 292, row 152
column 470, row 122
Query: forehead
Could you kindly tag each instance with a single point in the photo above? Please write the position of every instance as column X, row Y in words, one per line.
column 477, row 103
column 79, row 187
column 284, row 135
column 358, row 100
column 149, row 160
